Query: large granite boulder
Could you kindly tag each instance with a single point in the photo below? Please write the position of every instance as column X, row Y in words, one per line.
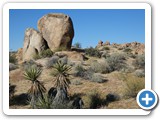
column 33, row 44
column 57, row 29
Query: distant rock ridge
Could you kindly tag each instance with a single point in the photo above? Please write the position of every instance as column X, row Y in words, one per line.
column 136, row 47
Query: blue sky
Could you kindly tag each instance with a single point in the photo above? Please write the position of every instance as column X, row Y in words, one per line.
column 90, row 26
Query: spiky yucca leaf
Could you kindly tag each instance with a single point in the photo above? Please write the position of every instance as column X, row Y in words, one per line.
column 32, row 73
column 61, row 72
column 45, row 103
column 37, row 88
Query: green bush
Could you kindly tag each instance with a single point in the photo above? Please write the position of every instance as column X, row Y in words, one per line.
column 139, row 62
column 43, row 54
column 93, row 52
column 45, row 103
column 140, row 73
column 76, row 82
column 116, row 62
column 106, row 48
column 60, row 49
column 100, row 67
column 36, row 56
column 12, row 58
column 127, row 50
column 49, row 103
column 133, row 85
column 97, row 78
column 46, row 53
column 64, row 60
column 79, row 71
column 77, row 45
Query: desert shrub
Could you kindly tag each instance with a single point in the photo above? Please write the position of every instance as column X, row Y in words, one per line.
column 127, row 50
column 133, row 85
column 45, row 103
column 83, row 73
column 77, row 45
column 63, row 60
column 43, row 54
column 71, row 63
column 106, row 48
column 100, row 67
column 60, row 49
column 93, row 52
column 116, row 62
column 97, row 78
column 52, row 60
column 48, row 103
column 127, row 69
column 28, row 64
column 46, row 53
column 120, row 48
column 140, row 73
column 95, row 101
column 139, row 62
column 131, row 55
column 76, row 82
column 79, row 71
column 12, row 58
column 104, row 54
column 36, row 56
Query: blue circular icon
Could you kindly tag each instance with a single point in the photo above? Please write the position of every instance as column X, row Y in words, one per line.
column 147, row 99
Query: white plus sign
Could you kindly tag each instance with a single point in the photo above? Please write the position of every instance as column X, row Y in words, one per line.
column 147, row 99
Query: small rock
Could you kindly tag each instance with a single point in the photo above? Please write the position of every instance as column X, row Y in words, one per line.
column 12, row 66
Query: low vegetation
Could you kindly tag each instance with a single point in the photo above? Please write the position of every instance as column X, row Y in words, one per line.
column 116, row 75
column 139, row 62
column 12, row 58
column 77, row 45
column 116, row 62
column 37, row 88
column 132, row 85
column 43, row 54
column 93, row 52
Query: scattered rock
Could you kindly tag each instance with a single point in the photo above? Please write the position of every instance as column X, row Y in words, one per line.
column 57, row 29
column 12, row 66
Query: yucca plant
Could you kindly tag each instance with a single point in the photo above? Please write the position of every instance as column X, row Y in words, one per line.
column 37, row 88
column 61, row 82
column 45, row 103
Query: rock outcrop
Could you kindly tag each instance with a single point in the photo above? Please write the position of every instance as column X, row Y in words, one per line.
column 57, row 29
column 33, row 44
column 19, row 55
column 100, row 43
column 107, row 43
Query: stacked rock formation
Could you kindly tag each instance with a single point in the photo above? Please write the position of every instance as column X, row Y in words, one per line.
column 55, row 31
